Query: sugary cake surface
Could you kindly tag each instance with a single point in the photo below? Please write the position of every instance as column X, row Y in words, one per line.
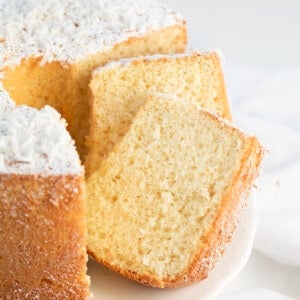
column 71, row 30
column 35, row 141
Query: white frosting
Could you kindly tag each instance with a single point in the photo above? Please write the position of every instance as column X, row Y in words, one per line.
column 35, row 141
column 128, row 61
column 69, row 30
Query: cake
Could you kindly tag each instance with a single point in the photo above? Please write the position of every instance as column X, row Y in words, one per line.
column 167, row 178
column 119, row 88
column 42, row 209
column 165, row 201
column 49, row 48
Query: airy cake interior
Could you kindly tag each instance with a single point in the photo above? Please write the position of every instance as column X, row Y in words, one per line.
column 157, row 192
column 120, row 88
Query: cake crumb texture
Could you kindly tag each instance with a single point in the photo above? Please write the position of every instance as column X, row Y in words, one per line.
column 165, row 201
column 119, row 88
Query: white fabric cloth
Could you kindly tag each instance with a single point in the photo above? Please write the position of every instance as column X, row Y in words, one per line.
column 259, row 294
column 267, row 103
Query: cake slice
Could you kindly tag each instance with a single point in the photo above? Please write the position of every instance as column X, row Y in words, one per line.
column 42, row 210
column 120, row 88
column 166, row 200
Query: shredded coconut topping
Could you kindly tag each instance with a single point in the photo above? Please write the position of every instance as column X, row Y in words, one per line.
column 68, row 30
column 35, row 141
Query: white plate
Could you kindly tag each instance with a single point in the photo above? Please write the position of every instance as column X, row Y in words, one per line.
column 109, row 285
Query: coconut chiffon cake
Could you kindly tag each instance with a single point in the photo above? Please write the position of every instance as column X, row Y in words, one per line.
column 119, row 88
column 165, row 201
column 42, row 224
column 49, row 48
column 115, row 141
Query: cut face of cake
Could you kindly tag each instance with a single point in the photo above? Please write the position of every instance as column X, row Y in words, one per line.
column 119, row 88
column 165, row 201
column 42, row 224
column 49, row 48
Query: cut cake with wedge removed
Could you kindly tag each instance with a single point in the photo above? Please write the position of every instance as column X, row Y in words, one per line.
column 165, row 201
column 119, row 88
column 42, row 207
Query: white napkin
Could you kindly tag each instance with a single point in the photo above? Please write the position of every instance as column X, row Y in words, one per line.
column 267, row 103
column 258, row 294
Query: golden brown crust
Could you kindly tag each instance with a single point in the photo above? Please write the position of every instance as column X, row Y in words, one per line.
column 223, row 96
column 212, row 244
column 42, row 237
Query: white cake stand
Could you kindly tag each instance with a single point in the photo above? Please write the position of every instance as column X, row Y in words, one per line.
column 109, row 285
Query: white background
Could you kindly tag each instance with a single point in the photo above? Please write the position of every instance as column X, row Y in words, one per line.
column 257, row 32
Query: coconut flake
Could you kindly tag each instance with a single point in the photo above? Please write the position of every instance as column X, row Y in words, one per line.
column 35, row 141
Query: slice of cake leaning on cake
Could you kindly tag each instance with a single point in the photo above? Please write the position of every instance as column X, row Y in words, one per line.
column 48, row 51
column 165, row 201
column 119, row 88
column 42, row 224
